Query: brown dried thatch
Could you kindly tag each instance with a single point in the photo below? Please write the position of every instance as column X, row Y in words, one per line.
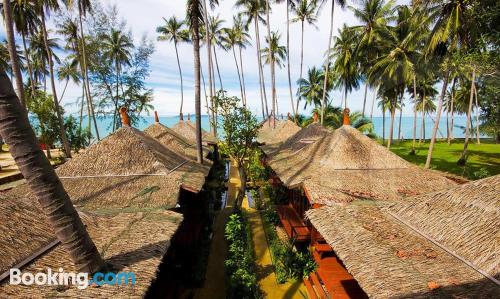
column 391, row 260
column 346, row 165
column 130, row 242
column 271, row 134
column 465, row 219
column 173, row 141
column 187, row 129
column 23, row 230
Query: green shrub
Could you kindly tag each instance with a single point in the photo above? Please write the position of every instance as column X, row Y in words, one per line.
column 481, row 173
column 240, row 266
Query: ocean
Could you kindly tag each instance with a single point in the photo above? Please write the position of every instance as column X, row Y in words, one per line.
column 105, row 125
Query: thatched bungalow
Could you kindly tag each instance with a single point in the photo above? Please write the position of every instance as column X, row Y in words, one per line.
column 273, row 132
column 176, row 142
column 131, row 172
column 438, row 245
column 128, row 242
column 187, row 129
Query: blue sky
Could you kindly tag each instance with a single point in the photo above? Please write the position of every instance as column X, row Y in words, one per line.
column 142, row 17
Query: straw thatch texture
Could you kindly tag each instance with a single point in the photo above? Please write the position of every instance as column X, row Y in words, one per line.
column 23, row 230
column 187, row 130
column 390, row 260
column 129, row 242
column 346, row 165
column 305, row 136
column 126, row 151
column 173, row 141
column 465, row 219
column 273, row 135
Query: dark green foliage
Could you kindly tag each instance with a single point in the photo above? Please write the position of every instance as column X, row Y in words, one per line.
column 289, row 263
column 240, row 266
column 78, row 137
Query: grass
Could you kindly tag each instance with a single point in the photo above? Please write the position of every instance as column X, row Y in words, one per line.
column 483, row 159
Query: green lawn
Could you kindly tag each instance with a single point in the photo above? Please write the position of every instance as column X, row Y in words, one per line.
column 482, row 157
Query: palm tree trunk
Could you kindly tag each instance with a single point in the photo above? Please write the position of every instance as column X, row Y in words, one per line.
column 383, row 125
column 206, row 97
column 288, row 56
column 391, row 127
column 238, row 71
column 62, row 131
column 273, row 79
column 218, row 71
column 14, row 59
column 400, row 118
column 422, row 128
column 243, row 78
column 436, row 124
column 414, row 113
column 452, row 110
column 115, row 122
column 478, row 140
column 462, row 159
column 261, row 71
column 81, row 107
column 28, row 63
column 373, row 102
column 180, row 75
column 327, row 68
column 197, row 91
column 86, row 77
column 43, row 181
column 210, row 66
column 364, row 100
column 64, row 91
column 301, row 64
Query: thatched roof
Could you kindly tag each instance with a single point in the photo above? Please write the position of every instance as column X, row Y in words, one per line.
column 466, row 219
column 273, row 134
column 297, row 141
column 130, row 242
column 187, row 129
column 346, row 165
column 173, row 141
column 391, row 260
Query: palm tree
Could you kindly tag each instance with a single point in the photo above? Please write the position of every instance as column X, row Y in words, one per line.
column 43, row 181
column 455, row 28
column 334, row 118
column 195, row 14
column 43, row 7
column 311, row 89
column 26, row 22
column 327, row 62
column 346, row 64
column 374, row 16
column 9, row 28
column 242, row 38
column 39, row 56
column 253, row 11
column 305, row 11
column 290, row 5
column 272, row 68
column 390, row 102
column 216, row 32
column 230, row 42
column 117, row 48
column 68, row 71
column 173, row 31
column 274, row 55
column 83, row 7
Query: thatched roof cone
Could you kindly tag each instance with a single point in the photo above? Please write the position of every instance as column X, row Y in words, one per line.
column 126, row 151
column 187, row 130
column 274, row 131
column 345, row 165
column 171, row 140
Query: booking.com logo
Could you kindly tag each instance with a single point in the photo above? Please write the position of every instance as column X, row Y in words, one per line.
column 81, row 280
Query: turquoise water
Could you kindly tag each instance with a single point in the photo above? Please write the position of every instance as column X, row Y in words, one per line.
column 105, row 125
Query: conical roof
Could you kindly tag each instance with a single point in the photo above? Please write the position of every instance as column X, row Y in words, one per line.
column 273, row 134
column 305, row 136
column 126, row 151
column 187, row 129
column 346, row 164
column 171, row 140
